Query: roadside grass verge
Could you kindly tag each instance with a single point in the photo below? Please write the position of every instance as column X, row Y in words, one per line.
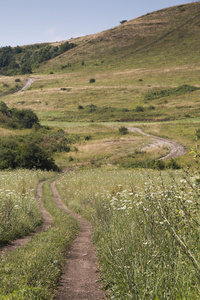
column 33, row 271
column 146, row 227
column 20, row 214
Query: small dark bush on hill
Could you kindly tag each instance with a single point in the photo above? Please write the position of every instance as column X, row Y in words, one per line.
column 123, row 130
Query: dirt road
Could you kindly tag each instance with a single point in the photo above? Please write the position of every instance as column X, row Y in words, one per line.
column 176, row 149
column 28, row 83
column 80, row 280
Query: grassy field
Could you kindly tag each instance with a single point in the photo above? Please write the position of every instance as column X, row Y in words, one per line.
column 146, row 229
column 146, row 222
column 20, row 214
column 33, row 271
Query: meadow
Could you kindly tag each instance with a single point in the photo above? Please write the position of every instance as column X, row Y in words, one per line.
column 33, row 271
column 146, row 228
column 20, row 213
column 146, row 222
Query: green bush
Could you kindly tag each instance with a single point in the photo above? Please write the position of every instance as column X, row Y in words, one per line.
column 23, row 154
column 92, row 80
column 139, row 108
column 123, row 130
column 15, row 118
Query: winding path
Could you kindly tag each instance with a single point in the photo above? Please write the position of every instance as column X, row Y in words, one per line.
column 176, row 149
column 28, row 83
column 80, row 280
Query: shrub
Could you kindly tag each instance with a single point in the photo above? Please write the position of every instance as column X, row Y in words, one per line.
column 139, row 108
column 92, row 80
column 180, row 90
column 92, row 108
column 123, row 21
column 15, row 118
column 123, row 130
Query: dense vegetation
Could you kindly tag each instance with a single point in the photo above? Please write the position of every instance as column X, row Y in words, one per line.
column 34, row 150
column 21, row 60
column 15, row 118
column 180, row 90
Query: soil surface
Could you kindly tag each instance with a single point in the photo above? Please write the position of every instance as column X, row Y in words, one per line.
column 176, row 149
column 80, row 280
column 46, row 224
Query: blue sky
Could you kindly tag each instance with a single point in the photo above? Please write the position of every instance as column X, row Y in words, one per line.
column 24, row 22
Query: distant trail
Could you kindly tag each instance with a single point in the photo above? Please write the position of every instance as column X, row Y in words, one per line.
column 28, row 83
column 176, row 149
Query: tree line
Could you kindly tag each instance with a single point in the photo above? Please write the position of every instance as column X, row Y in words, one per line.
column 21, row 60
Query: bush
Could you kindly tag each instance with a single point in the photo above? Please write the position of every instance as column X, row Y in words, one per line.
column 123, row 130
column 15, row 118
column 180, row 90
column 123, row 21
column 139, row 108
column 92, row 80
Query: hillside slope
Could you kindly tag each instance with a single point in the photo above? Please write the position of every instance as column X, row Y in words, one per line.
column 161, row 35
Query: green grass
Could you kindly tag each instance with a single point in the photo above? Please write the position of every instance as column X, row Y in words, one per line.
column 33, row 271
column 181, row 90
column 20, row 214
column 145, row 227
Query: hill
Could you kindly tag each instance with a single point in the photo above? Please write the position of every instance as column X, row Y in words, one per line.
column 145, row 70
column 155, row 39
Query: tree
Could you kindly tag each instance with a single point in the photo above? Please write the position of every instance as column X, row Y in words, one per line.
column 26, row 118
column 123, row 21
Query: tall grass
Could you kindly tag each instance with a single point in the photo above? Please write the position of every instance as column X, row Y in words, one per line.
column 19, row 212
column 33, row 271
column 146, row 227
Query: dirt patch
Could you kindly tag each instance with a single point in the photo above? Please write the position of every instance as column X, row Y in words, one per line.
column 80, row 280
column 46, row 224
